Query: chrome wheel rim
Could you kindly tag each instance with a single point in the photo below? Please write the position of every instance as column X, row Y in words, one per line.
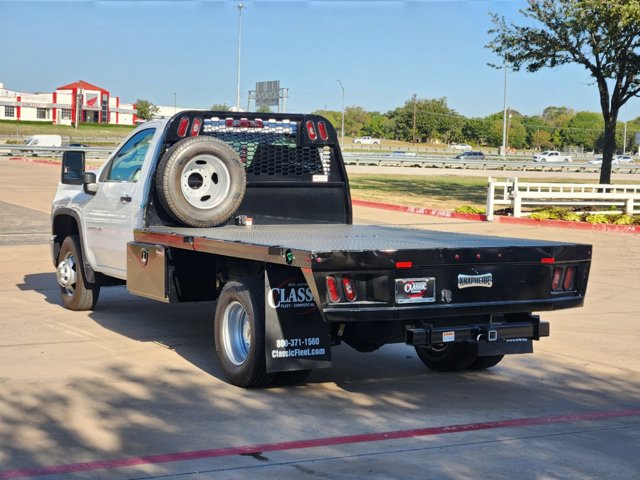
column 236, row 333
column 67, row 274
column 205, row 181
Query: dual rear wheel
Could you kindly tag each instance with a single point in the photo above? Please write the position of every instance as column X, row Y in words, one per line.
column 452, row 357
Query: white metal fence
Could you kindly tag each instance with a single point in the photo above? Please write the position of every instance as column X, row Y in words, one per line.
column 515, row 194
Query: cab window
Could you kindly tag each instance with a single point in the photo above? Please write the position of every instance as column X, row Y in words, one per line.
column 127, row 163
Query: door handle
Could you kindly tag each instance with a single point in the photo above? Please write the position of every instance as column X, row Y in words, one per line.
column 125, row 198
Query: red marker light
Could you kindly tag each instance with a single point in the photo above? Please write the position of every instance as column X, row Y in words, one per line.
column 548, row 260
column 195, row 128
column 404, row 264
column 311, row 130
column 182, row 127
column 332, row 290
column 322, row 130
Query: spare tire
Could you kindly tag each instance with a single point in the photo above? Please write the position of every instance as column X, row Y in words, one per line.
column 200, row 182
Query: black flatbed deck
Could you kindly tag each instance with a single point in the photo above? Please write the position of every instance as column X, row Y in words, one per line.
column 364, row 245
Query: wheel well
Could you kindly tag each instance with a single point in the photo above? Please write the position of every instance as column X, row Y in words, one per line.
column 63, row 226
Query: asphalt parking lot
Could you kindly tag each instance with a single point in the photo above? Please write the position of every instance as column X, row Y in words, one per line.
column 132, row 390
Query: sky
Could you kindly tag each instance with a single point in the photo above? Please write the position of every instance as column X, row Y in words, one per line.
column 383, row 52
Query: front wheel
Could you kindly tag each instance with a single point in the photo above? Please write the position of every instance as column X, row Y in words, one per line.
column 447, row 357
column 77, row 293
column 240, row 333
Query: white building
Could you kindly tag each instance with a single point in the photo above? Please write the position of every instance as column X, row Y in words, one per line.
column 79, row 100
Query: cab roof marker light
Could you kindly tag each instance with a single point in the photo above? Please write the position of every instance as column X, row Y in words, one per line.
column 195, row 127
column 547, row 260
column 182, row 127
column 404, row 264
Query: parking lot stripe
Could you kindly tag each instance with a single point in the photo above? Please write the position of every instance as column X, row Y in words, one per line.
column 311, row 443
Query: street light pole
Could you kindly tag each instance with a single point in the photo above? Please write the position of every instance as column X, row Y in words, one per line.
column 240, row 7
column 504, row 115
column 342, row 126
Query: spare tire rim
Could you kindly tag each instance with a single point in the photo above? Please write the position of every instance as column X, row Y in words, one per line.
column 236, row 333
column 66, row 274
column 205, row 181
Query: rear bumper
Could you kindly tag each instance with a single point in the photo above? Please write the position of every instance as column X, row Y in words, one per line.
column 425, row 311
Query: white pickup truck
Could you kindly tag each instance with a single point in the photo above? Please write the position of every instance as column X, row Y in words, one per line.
column 366, row 140
column 256, row 214
column 552, row 156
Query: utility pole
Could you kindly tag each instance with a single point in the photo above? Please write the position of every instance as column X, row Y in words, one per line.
column 240, row 7
column 342, row 126
column 414, row 117
column 175, row 109
column 504, row 115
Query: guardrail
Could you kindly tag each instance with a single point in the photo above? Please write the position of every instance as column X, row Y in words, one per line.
column 517, row 194
column 92, row 152
column 425, row 161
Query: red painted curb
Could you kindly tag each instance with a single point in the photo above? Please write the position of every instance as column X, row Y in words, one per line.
column 597, row 227
column 312, row 443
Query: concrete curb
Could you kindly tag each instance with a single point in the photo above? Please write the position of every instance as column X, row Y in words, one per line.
column 597, row 227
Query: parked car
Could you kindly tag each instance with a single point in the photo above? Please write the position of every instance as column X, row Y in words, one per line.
column 366, row 140
column 402, row 154
column 551, row 156
column 460, row 146
column 617, row 160
column 622, row 159
column 470, row 156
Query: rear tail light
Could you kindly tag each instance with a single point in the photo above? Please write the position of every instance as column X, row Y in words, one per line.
column 349, row 289
column 333, row 290
column 322, row 130
column 569, row 274
column 195, row 128
column 182, row 127
column 311, row 130
column 563, row 279
column 555, row 280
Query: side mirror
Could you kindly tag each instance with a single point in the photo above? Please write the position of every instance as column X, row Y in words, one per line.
column 72, row 168
column 89, row 183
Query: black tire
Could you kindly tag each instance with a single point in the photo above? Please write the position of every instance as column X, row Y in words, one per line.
column 200, row 182
column 447, row 357
column 290, row 378
column 77, row 293
column 482, row 363
column 240, row 333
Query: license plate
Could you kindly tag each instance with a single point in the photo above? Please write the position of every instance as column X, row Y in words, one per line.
column 415, row 290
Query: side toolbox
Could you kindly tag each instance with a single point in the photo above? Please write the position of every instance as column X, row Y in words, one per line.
column 147, row 271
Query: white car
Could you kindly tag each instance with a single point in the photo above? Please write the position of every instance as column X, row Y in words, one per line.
column 460, row 146
column 551, row 156
column 367, row 140
column 617, row 160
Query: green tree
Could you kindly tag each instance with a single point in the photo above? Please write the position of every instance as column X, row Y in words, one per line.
column 146, row 109
column 434, row 120
column 602, row 36
column 585, row 129
column 355, row 118
column 377, row 126
column 220, row 107
column 335, row 118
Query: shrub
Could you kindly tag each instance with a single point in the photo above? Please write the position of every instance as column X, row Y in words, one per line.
column 470, row 209
column 598, row 218
column 623, row 219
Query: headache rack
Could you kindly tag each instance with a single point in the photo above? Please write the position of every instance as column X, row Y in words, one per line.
column 295, row 172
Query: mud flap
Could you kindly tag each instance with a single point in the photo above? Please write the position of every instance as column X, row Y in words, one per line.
column 296, row 337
